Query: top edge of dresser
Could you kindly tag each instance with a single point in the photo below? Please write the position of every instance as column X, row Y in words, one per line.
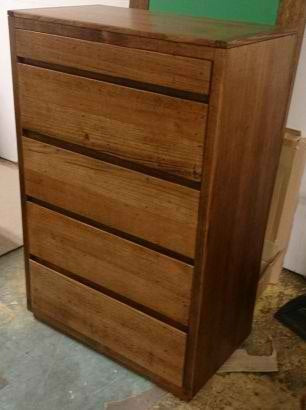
column 163, row 26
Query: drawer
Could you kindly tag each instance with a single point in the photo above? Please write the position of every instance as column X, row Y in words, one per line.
column 150, row 129
column 146, row 277
column 149, row 208
column 181, row 73
column 123, row 330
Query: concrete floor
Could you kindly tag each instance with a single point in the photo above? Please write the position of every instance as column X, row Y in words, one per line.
column 41, row 369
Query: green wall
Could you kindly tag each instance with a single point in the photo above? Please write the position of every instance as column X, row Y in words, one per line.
column 257, row 11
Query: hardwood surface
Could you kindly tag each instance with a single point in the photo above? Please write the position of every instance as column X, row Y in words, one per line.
column 191, row 30
column 158, row 211
column 139, row 4
column 155, row 130
column 245, row 137
column 115, row 356
column 135, row 272
column 157, row 182
column 123, row 40
column 292, row 14
column 147, row 341
column 170, row 71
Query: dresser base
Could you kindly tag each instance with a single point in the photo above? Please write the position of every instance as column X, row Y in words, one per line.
column 181, row 393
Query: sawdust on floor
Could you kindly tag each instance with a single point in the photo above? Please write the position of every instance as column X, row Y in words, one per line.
column 264, row 391
column 43, row 369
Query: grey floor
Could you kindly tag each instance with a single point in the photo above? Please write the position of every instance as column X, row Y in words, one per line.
column 41, row 369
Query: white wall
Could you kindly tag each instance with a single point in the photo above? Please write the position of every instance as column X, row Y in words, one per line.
column 8, row 148
column 296, row 255
column 297, row 114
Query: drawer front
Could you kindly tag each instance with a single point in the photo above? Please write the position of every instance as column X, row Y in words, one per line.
column 181, row 73
column 126, row 331
column 157, row 131
column 135, row 272
column 155, row 210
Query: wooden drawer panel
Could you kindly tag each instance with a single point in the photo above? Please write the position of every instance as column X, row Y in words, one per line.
column 154, row 130
column 126, row 331
column 181, row 73
column 158, row 211
column 140, row 274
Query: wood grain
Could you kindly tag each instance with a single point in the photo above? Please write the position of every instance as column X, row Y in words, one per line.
column 114, row 356
column 245, row 138
column 139, row 274
column 176, row 72
column 292, row 14
column 158, row 131
column 162, row 26
column 158, row 211
column 119, row 39
column 147, row 341
column 140, row 4
column 95, row 196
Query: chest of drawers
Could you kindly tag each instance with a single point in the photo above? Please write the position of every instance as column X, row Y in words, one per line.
column 148, row 149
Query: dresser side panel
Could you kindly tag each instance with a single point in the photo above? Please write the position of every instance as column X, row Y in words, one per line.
column 245, row 139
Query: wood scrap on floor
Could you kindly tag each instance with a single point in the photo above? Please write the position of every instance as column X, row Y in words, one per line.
column 241, row 361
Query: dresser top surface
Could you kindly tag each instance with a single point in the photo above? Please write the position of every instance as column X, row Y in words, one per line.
column 185, row 29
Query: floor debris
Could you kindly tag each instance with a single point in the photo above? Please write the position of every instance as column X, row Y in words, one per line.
column 45, row 369
column 141, row 402
column 3, row 382
column 241, row 361
column 6, row 315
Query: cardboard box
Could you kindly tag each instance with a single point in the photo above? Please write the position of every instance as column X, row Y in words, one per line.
column 271, row 259
column 283, row 207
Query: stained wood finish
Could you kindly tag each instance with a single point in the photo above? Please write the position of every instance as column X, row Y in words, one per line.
column 140, row 4
column 221, row 226
column 114, row 196
column 120, row 359
column 119, row 39
column 292, row 14
column 245, row 136
column 135, row 272
column 140, row 338
column 155, row 68
column 170, row 27
column 155, row 130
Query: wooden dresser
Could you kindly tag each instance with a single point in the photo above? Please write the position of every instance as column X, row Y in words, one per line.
column 148, row 149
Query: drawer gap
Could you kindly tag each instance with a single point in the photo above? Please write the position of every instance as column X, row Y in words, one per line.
column 113, row 231
column 158, row 89
column 110, row 293
column 196, row 185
